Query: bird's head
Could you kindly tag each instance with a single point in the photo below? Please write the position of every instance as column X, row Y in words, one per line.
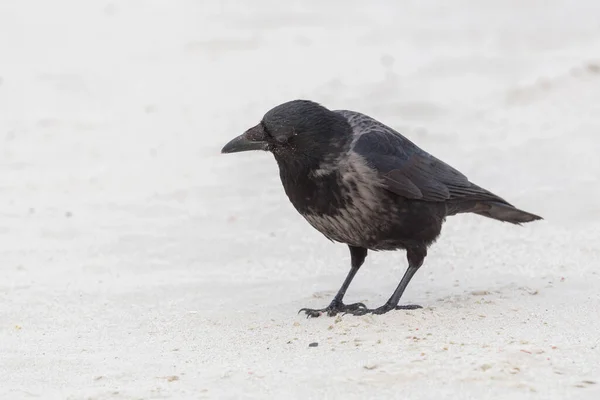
column 296, row 130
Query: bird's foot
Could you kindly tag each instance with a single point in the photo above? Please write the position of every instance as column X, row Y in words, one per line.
column 383, row 309
column 333, row 309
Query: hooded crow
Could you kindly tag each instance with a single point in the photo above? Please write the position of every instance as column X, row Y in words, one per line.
column 359, row 182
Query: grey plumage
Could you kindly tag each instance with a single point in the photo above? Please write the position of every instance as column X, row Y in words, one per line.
column 414, row 174
column 359, row 182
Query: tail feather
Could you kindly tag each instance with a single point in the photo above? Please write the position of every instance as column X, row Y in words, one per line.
column 503, row 212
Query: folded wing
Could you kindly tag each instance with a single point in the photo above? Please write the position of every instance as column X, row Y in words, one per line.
column 408, row 170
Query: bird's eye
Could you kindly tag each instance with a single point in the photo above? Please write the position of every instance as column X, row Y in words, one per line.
column 264, row 127
column 281, row 139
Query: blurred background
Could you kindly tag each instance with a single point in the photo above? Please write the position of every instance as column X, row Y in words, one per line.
column 124, row 232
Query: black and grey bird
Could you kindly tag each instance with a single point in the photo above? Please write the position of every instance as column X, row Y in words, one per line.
column 359, row 182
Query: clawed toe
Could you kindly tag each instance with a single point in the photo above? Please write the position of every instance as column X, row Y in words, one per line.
column 382, row 310
column 352, row 307
column 409, row 307
column 356, row 309
column 311, row 313
column 332, row 310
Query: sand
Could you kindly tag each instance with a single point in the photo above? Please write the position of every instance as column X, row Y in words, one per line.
column 137, row 262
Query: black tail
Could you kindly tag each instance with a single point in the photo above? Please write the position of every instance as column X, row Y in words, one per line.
column 503, row 212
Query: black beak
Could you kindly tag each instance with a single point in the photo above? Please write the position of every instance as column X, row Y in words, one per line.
column 252, row 139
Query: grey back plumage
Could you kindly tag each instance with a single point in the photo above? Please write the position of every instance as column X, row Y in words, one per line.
column 406, row 169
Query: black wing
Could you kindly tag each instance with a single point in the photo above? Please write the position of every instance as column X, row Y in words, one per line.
column 408, row 170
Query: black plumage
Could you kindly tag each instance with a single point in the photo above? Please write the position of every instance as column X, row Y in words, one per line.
column 359, row 182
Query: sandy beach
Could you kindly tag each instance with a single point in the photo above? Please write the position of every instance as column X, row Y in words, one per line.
column 137, row 262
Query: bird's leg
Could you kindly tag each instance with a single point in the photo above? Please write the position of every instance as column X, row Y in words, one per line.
column 357, row 255
column 415, row 257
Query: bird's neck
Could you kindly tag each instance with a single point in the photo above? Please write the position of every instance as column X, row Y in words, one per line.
column 311, row 188
column 297, row 172
column 309, row 172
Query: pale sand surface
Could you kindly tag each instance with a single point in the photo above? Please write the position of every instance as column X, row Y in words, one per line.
column 137, row 262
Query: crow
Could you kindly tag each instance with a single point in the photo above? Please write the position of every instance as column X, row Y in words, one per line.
column 359, row 182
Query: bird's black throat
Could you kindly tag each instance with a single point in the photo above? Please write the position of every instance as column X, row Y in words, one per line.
column 310, row 192
column 309, row 166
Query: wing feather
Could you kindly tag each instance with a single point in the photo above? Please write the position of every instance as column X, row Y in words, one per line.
column 406, row 169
